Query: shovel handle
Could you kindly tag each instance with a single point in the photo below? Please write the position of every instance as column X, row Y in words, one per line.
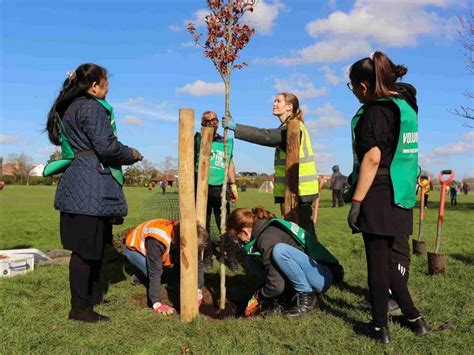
column 448, row 179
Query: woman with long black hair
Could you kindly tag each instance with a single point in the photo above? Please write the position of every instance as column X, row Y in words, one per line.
column 89, row 195
column 384, row 178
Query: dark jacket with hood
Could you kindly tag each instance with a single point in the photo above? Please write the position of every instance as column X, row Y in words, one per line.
column 87, row 187
column 337, row 179
column 275, row 281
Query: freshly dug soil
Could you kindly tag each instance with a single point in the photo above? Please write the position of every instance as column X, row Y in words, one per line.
column 208, row 309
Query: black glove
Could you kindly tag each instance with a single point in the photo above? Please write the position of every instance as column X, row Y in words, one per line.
column 136, row 155
column 352, row 218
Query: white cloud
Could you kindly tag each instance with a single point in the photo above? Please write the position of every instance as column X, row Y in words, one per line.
column 328, row 51
column 264, row 16
column 175, row 28
column 371, row 24
column 132, row 121
column 465, row 145
column 328, row 117
column 330, row 76
column 442, row 155
column 299, row 85
column 332, row 4
column 198, row 18
column 202, row 88
column 136, row 106
column 189, row 44
column 5, row 139
column 49, row 149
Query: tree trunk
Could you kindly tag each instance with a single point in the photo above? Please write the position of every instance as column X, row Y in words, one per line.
column 224, row 200
column 292, row 170
column 226, row 168
column 187, row 218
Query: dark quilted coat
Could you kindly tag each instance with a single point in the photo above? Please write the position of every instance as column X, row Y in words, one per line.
column 87, row 187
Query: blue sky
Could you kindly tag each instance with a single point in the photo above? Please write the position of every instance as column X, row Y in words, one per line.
column 300, row 46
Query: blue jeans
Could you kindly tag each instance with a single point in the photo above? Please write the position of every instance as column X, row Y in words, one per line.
column 136, row 259
column 305, row 274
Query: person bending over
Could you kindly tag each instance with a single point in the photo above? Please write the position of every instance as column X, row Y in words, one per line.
column 153, row 248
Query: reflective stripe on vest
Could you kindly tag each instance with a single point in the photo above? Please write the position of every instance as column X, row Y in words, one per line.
column 159, row 229
column 307, row 175
column 309, row 242
column 404, row 166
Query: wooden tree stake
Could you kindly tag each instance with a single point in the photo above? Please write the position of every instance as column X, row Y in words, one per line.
column 292, row 170
column 203, row 175
column 187, row 218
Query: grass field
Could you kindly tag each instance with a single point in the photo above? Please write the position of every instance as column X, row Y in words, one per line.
column 34, row 307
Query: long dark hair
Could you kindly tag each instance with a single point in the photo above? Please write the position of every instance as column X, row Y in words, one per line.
column 76, row 84
column 379, row 74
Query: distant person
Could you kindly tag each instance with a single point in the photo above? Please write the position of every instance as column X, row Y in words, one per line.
column 427, row 186
column 466, row 188
column 243, row 187
column 89, row 195
column 288, row 257
column 286, row 107
column 453, row 192
column 2, row 185
column 337, row 186
column 150, row 186
column 385, row 178
column 153, row 248
column 216, row 180
column 163, row 186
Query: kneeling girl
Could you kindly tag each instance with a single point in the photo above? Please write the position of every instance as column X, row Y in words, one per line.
column 287, row 252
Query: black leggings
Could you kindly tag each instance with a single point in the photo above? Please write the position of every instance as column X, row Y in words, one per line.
column 387, row 268
column 84, row 281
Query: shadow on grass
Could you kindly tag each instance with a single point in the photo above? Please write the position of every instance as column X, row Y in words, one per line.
column 337, row 307
column 356, row 290
column 461, row 206
column 112, row 268
column 467, row 259
column 20, row 246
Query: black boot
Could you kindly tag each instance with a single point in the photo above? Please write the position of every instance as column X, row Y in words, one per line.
column 305, row 303
column 234, row 265
column 381, row 335
column 81, row 310
column 271, row 307
column 87, row 315
column 419, row 327
column 207, row 260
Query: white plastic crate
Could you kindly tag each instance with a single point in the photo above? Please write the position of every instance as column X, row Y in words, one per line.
column 16, row 264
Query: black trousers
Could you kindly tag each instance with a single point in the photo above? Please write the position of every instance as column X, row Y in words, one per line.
column 387, row 268
column 454, row 201
column 84, row 278
column 214, row 208
column 337, row 198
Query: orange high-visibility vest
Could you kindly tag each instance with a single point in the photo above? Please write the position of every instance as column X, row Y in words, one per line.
column 160, row 229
